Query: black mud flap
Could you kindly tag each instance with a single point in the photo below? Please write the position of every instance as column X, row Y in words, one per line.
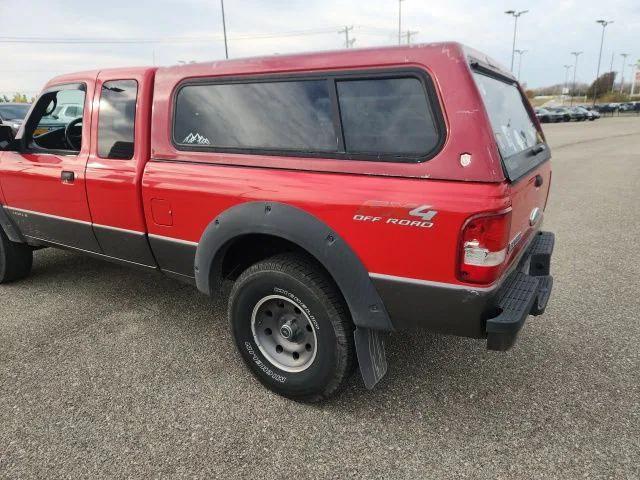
column 371, row 355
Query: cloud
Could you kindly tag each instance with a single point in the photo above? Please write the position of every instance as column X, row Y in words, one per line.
column 549, row 32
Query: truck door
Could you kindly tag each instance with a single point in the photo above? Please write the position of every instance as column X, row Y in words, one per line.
column 43, row 180
column 119, row 152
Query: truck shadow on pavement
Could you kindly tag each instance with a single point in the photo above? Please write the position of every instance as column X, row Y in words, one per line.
column 427, row 372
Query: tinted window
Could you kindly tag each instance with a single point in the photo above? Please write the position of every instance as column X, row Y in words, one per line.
column 117, row 118
column 512, row 126
column 386, row 116
column 285, row 115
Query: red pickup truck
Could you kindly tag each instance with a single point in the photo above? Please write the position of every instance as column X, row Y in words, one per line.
column 339, row 195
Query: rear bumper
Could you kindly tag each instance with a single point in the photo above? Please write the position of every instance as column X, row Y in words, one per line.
column 496, row 314
column 525, row 292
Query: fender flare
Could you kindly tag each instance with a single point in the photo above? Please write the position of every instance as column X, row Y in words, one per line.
column 309, row 233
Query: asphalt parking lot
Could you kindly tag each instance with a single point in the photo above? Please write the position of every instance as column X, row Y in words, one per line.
column 107, row 372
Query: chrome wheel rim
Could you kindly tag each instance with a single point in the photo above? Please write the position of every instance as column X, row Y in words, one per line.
column 284, row 334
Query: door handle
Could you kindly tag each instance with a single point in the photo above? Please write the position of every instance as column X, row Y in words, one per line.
column 67, row 176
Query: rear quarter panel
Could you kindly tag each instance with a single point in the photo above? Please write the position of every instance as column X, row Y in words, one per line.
column 198, row 193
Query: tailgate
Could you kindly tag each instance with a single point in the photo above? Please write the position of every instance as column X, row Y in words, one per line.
column 524, row 154
column 528, row 200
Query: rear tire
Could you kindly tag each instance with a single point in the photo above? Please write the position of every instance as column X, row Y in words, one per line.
column 292, row 328
column 16, row 259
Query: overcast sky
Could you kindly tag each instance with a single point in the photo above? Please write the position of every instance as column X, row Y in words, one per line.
column 549, row 32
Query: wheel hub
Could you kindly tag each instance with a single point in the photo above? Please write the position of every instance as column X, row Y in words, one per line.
column 283, row 333
column 290, row 330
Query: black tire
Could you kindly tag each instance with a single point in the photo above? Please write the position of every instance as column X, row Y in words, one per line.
column 16, row 259
column 299, row 281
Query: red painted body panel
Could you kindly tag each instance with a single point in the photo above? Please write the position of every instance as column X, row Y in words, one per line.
column 32, row 181
column 199, row 193
column 114, row 187
column 525, row 196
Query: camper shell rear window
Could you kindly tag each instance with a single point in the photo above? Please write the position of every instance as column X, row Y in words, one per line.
column 521, row 146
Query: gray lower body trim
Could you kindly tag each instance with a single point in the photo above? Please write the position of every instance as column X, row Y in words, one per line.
column 440, row 308
column 58, row 230
column 445, row 308
column 173, row 255
column 128, row 245
column 181, row 278
column 48, row 243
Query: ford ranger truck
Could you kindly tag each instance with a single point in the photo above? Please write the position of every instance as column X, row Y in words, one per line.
column 331, row 196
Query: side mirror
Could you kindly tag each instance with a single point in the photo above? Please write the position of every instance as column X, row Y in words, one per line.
column 6, row 136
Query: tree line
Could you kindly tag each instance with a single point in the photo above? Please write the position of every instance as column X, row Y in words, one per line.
column 17, row 98
column 603, row 85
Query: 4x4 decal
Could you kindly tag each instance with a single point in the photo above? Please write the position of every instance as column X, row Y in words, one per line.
column 404, row 214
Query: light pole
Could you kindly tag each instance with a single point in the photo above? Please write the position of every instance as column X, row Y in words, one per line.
column 624, row 61
column 566, row 81
column 575, row 68
column 348, row 43
column 520, row 53
column 635, row 74
column 604, row 24
column 400, row 21
column 409, row 34
column 515, row 16
column 613, row 80
column 224, row 29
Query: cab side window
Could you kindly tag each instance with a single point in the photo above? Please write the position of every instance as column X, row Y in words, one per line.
column 116, row 120
column 48, row 129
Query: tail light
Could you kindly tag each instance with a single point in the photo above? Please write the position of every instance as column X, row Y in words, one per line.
column 483, row 247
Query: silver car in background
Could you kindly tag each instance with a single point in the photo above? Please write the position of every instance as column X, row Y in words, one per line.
column 13, row 114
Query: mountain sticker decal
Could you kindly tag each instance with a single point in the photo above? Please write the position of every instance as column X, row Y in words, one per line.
column 196, row 139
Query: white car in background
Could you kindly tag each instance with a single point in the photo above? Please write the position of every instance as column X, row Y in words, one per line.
column 66, row 113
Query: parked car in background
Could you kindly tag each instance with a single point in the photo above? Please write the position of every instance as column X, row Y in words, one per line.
column 13, row 114
column 578, row 114
column 59, row 115
column 607, row 107
column 548, row 116
column 563, row 113
column 65, row 113
column 595, row 114
column 592, row 113
column 627, row 107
